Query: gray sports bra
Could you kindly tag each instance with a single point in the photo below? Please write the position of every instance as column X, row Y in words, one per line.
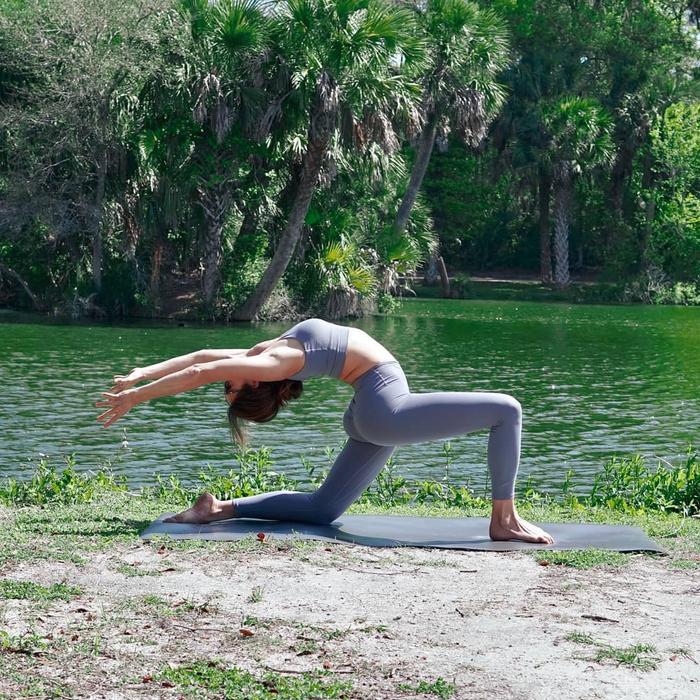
column 325, row 345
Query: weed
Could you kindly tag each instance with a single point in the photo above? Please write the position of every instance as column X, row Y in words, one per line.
column 439, row 687
column 256, row 594
column 28, row 643
column 216, row 680
column 639, row 656
column 26, row 590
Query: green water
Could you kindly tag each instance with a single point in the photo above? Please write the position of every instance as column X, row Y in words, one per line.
column 594, row 381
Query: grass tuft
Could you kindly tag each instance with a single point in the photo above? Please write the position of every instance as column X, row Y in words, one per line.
column 640, row 656
column 212, row 679
column 439, row 687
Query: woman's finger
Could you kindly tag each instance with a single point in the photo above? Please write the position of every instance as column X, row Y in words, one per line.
column 113, row 419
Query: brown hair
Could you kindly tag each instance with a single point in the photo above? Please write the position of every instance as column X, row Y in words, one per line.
column 260, row 404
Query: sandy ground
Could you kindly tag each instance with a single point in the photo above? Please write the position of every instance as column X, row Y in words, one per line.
column 492, row 623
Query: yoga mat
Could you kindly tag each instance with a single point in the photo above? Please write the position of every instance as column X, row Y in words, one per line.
column 410, row 531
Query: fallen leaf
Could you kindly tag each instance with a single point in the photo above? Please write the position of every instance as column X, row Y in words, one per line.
column 246, row 633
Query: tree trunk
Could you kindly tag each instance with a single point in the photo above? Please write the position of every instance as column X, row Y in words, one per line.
column 431, row 273
column 95, row 219
column 545, row 191
column 649, row 209
column 11, row 273
column 323, row 121
column 156, row 262
column 563, row 198
column 444, row 279
column 425, row 149
column 215, row 201
column 341, row 303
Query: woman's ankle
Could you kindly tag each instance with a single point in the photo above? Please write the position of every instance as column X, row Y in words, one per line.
column 503, row 510
column 224, row 510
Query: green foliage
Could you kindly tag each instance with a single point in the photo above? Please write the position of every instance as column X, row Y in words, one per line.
column 253, row 475
column 187, row 151
column 628, row 485
column 49, row 486
column 624, row 484
column 674, row 231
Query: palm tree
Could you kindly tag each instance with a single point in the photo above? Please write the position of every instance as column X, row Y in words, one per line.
column 342, row 57
column 579, row 132
column 355, row 251
column 468, row 48
column 223, row 77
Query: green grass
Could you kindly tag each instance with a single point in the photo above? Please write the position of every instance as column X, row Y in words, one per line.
column 684, row 564
column 42, row 522
column 26, row 590
column 212, row 679
column 642, row 657
column 582, row 558
column 439, row 687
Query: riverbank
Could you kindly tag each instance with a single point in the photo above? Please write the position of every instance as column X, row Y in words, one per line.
column 89, row 610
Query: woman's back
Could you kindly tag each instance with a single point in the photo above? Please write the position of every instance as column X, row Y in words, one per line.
column 333, row 350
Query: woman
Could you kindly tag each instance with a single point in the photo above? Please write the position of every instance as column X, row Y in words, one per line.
column 382, row 414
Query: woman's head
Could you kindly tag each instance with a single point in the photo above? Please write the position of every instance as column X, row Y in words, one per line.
column 258, row 402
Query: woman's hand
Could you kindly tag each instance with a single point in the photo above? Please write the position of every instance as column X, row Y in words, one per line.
column 117, row 405
column 122, row 383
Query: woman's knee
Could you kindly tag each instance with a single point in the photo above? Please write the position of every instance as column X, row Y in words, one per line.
column 321, row 511
column 510, row 408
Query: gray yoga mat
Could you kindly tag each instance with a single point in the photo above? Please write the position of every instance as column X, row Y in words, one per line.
column 411, row 531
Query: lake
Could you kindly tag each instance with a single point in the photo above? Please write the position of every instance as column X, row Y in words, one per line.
column 594, row 381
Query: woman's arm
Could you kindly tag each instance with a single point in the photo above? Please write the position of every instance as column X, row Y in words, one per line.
column 265, row 368
column 175, row 364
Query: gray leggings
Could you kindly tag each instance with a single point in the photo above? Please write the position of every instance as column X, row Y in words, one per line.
column 383, row 414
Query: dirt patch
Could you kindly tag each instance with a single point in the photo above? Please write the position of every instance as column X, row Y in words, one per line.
column 493, row 624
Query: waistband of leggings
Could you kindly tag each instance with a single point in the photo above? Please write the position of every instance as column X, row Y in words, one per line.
column 383, row 370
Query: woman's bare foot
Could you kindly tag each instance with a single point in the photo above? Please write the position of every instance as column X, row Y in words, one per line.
column 519, row 529
column 205, row 509
column 506, row 524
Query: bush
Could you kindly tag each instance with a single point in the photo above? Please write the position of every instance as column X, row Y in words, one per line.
column 49, row 486
column 628, row 485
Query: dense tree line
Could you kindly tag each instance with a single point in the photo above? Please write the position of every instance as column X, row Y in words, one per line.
column 267, row 158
